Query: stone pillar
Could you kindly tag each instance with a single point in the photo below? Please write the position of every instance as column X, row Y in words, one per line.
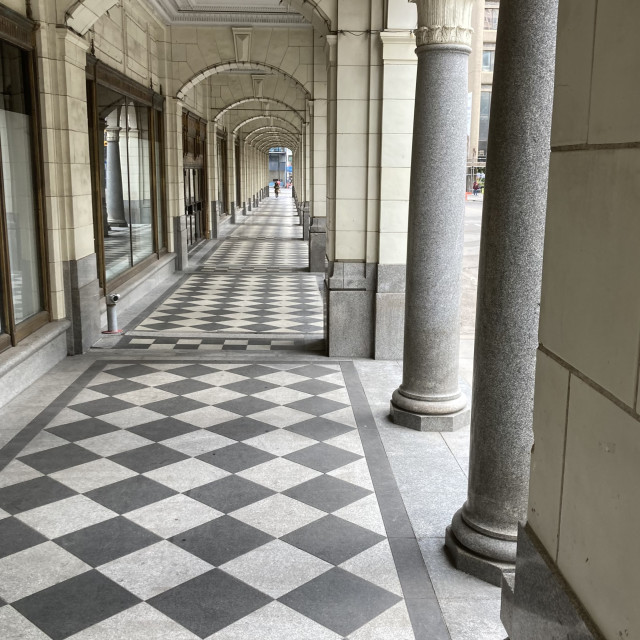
column 115, row 196
column 430, row 398
column 482, row 537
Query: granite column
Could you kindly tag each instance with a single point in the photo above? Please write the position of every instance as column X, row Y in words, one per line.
column 482, row 537
column 430, row 398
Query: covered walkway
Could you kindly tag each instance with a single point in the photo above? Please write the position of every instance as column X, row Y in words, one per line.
column 194, row 489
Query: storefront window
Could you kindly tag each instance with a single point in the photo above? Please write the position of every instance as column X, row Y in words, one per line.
column 130, row 211
column 21, row 288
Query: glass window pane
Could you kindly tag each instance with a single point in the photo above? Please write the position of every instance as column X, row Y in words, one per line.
column 483, row 134
column 488, row 57
column 491, row 19
column 114, row 177
column 18, row 182
column 140, row 210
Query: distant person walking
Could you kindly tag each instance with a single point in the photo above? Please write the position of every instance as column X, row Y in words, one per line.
column 476, row 188
column 276, row 187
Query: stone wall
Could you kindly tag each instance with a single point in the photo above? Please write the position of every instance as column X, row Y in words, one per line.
column 583, row 505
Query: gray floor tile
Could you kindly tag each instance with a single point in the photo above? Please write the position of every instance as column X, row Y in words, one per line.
column 58, row 458
column 152, row 456
column 102, row 407
column 153, row 570
column 16, row 536
column 242, row 429
column 229, row 494
column 175, row 405
column 117, row 387
column 32, row 494
column 319, row 428
column 340, row 601
column 333, row 539
column 209, row 602
column 221, row 540
column 106, row 541
column 163, row 429
column 236, row 457
column 316, row 405
column 131, row 494
column 323, row 457
column 74, row 605
column 249, row 387
column 182, row 387
column 82, row 429
column 315, row 387
column 246, row 406
column 327, row 493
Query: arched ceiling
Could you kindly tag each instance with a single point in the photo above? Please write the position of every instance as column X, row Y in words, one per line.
column 260, row 105
column 82, row 14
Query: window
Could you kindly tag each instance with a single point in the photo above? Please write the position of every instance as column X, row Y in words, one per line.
column 22, row 266
column 491, row 19
column 483, row 134
column 127, row 140
column 488, row 59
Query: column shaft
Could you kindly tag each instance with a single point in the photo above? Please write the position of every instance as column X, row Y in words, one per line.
column 510, row 276
column 430, row 397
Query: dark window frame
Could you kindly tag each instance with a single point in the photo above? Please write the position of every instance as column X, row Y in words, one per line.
column 98, row 73
column 19, row 32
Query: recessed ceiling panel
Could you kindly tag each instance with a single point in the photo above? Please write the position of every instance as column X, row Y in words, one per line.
column 239, row 12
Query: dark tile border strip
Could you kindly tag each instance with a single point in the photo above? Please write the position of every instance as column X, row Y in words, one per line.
column 424, row 611
column 12, row 448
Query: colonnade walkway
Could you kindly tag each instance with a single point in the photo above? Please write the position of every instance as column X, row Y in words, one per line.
column 254, row 292
column 198, row 481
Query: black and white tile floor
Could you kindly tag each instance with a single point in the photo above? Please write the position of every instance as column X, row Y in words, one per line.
column 249, row 303
column 248, row 285
column 192, row 499
column 220, row 344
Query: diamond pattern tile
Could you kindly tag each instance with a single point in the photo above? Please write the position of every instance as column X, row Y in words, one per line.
column 340, row 601
column 195, row 499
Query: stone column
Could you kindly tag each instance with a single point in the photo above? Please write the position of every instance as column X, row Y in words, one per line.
column 115, row 196
column 482, row 537
column 429, row 398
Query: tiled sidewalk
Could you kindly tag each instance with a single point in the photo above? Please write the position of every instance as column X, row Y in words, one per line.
column 192, row 499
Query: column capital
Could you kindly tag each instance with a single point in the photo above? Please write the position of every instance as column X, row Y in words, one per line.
column 444, row 22
column 332, row 48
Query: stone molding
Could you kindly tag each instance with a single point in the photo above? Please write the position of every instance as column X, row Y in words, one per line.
column 444, row 22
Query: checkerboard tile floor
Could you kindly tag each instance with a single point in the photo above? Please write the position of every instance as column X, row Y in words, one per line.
column 258, row 255
column 183, row 500
column 250, row 285
column 287, row 303
column 220, row 344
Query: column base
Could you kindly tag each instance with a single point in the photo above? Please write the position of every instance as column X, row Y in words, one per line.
column 475, row 565
column 233, row 213
column 430, row 422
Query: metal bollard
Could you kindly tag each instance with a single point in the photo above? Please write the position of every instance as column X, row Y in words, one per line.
column 112, row 316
